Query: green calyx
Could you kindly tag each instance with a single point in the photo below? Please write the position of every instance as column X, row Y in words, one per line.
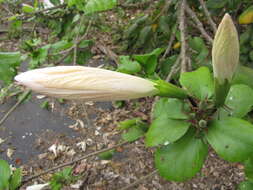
column 169, row 90
column 221, row 91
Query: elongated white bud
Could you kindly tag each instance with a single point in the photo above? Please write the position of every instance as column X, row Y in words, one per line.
column 87, row 83
column 225, row 52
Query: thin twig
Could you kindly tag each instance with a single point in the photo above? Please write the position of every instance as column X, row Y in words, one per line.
column 108, row 52
column 75, row 54
column 6, row 9
column 174, row 69
column 208, row 15
column 166, row 6
column 139, row 181
column 171, row 40
column 26, row 15
column 183, row 38
column 200, row 26
column 72, row 162
column 68, row 51
column 26, row 93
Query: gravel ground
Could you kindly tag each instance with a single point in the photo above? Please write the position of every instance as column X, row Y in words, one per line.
column 130, row 162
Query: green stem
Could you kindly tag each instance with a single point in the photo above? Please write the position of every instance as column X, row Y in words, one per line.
column 221, row 91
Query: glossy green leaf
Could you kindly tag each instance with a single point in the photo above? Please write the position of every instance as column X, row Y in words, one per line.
column 93, row 6
column 165, row 130
column 15, row 180
column 231, row 138
column 248, row 169
column 198, row 83
column 126, row 65
column 8, row 63
column 171, row 107
column 149, row 60
column 5, row 174
column 245, row 185
column 239, row 101
column 181, row 160
column 133, row 134
column 243, row 75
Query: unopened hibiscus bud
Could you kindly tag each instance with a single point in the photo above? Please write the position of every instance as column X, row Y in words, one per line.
column 225, row 52
column 87, row 83
column 225, row 57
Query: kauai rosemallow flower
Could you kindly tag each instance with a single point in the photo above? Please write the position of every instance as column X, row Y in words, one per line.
column 225, row 57
column 86, row 83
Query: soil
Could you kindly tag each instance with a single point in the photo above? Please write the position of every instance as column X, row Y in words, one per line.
column 66, row 125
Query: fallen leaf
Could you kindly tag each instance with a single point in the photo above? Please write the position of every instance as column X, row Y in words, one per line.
column 37, row 186
column 10, row 152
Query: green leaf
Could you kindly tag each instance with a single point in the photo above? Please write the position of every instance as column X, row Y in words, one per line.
column 181, row 160
column 216, row 4
column 5, row 174
column 245, row 36
column 16, row 178
column 128, row 66
column 171, row 107
column 39, row 57
column 126, row 124
column 164, row 24
column 61, row 178
column 243, row 75
column 245, row 185
column 198, row 45
column 44, row 104
column 55, row 2
column 106, row 155
column 231, row 138
column 167, row 64
column 93, row 6
column 27, row 8
column 8, row 63
column 133, row 134
column 85, row 43
column 247, row 16
column 149, row 60
column 144, row 35
column 239, row 101
column 248, row 169
column 165, row 130
column 60, row 46
column 198, row 83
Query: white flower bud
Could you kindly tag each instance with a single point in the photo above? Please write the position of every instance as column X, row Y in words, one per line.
column 225, row 52
column 87, row 83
